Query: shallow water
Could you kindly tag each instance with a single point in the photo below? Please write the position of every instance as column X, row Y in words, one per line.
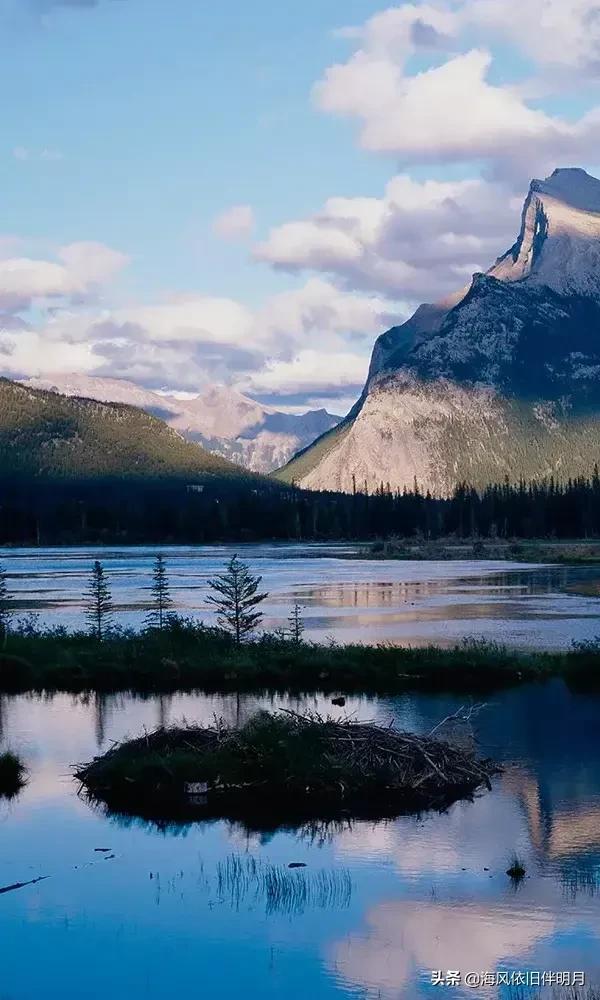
column 362, row 600
column 379, row 906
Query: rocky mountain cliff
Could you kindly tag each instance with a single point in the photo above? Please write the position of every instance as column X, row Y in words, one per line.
column 501, row 380
column 223, row 421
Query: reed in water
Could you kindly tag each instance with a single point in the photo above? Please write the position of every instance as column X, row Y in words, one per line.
column 12, row 774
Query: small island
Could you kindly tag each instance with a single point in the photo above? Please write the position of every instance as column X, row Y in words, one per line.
column 284, row 764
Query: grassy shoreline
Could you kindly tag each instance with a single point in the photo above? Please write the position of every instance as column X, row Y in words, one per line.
column 189, row 657
column 578, row 552
column 13, row 774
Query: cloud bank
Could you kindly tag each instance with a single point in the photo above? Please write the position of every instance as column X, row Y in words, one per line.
column 420, row 238
column 294, row 345
column 77, row 273
column 452, row 108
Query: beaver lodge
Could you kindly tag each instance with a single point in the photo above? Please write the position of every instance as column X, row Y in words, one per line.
column 284, row 763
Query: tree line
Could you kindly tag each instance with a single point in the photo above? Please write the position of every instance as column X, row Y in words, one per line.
column 114, row 511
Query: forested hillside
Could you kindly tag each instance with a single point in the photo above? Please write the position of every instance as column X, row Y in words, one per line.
column 46, row 435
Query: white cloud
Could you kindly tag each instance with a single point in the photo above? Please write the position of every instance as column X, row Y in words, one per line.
column 422, row 239
column 311, row 372
column 452, row 111
column 320, row 340
column 81, row 268
column 235, row 223
column 33, row 352
column 398, row 30
column 192, row 318
column 185, row 343
column 49, row 155
column 559, row 33
column 287, row 245
column 320, row 308
column 91, row 264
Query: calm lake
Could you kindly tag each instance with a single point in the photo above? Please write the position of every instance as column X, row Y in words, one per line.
column 191, row 911
column 212, row 909
column 352, row 600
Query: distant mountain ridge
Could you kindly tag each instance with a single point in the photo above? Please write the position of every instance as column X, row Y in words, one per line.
column 503, row 379
column 223, row 421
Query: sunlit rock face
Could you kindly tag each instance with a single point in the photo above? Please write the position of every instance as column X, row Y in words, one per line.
column 502, row 379
column 558, row 245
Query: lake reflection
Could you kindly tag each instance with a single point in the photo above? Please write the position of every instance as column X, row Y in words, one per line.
column 155, row 915
column 351, row 600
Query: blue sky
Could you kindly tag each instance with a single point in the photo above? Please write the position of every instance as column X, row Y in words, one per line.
column 376, row 167
column 166, row 113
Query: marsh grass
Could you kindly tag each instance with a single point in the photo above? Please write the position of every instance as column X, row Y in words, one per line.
column 247, row 881
column 187, row 656
column 13, row 775
column 577, row 882
column 516, row 870
column 538, row 550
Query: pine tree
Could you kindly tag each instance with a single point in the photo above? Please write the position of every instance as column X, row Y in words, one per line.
column 5, row 608
column 99, row 603
column 161, row 596
column 235, row 599
column 296, row 624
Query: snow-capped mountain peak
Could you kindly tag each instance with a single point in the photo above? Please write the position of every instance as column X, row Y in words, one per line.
column 573, row 186
column 558, row 246
column 503, row 380
column 559, row 241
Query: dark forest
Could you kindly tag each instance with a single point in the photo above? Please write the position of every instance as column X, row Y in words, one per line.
column 47, row 512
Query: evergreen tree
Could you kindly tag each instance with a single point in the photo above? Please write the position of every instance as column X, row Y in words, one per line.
column 161, row 596
column 99, row 604
column 235, row 599
column 5, row 608
column 296, row 624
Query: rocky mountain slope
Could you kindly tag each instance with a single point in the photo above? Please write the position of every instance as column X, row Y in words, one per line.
column 43, row 434
column 502, row 380
column 223, row 421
